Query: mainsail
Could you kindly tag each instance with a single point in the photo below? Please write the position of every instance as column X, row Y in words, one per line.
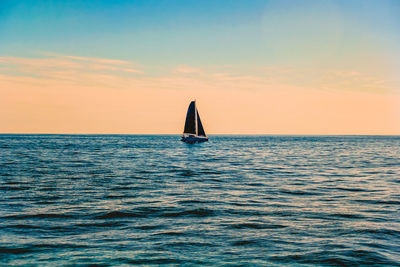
column 190, row 123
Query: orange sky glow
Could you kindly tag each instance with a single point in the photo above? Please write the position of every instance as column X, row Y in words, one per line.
column 64, row 94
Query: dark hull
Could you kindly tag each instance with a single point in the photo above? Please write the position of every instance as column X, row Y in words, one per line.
column 194, row 139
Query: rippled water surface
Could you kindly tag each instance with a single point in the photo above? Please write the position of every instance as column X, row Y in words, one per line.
column 252, row 200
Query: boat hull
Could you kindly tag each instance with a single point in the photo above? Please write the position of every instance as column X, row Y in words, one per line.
column 194, row 139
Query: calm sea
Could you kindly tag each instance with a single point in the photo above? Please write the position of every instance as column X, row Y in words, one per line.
column 236, row 200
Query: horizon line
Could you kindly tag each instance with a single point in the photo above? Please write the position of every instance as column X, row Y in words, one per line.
column 231, row 134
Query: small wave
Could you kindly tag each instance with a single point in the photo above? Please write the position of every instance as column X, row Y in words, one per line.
column 23, row 226
column 256, row 184
column 39, row 216
column 348, row 216
column 379, row 202
column 256, row 226
column 210, row 172
column 249, row 212
column 380, row 232
column 5, row 164
column 44, row 189
column 14, row 188
column 57, row 245
column 32, row 248
column 188, row 173
column 151, row 261
column 171, row 233
column 105, row 224
column 192, row 201
column 242, row 204
column 123, row 188
column 365, row 257
column 45, row 202
column 380, row 211
column 187, row 244
column 115, row 196
column 143, row 172
column 190, row 213
column 120, row 214
column 15, row 250
column 245, row 242
column 264, row 171
column 299, row 192
column 354, row 189
column 148, row 227
column 339, row 258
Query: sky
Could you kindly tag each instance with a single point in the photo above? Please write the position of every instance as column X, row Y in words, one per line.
column 254, row 67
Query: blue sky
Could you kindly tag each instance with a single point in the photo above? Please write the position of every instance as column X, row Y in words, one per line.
column 204, row 32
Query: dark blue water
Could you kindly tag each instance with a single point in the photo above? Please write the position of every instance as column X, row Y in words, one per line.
column 250, row 200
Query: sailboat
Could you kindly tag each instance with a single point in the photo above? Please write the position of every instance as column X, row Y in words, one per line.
column 194, row 131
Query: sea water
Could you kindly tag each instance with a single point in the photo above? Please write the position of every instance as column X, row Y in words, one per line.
column 235, row 200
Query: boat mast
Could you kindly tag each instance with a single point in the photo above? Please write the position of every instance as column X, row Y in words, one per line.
column 195, row 114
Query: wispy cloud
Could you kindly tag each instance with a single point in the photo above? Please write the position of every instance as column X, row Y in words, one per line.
column 62, row 67
column 113, row 73
column 99, row 60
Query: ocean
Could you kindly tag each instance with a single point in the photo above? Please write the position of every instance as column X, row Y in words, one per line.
column 110, row 200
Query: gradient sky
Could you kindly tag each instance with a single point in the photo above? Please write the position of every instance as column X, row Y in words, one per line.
column 255, row 67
